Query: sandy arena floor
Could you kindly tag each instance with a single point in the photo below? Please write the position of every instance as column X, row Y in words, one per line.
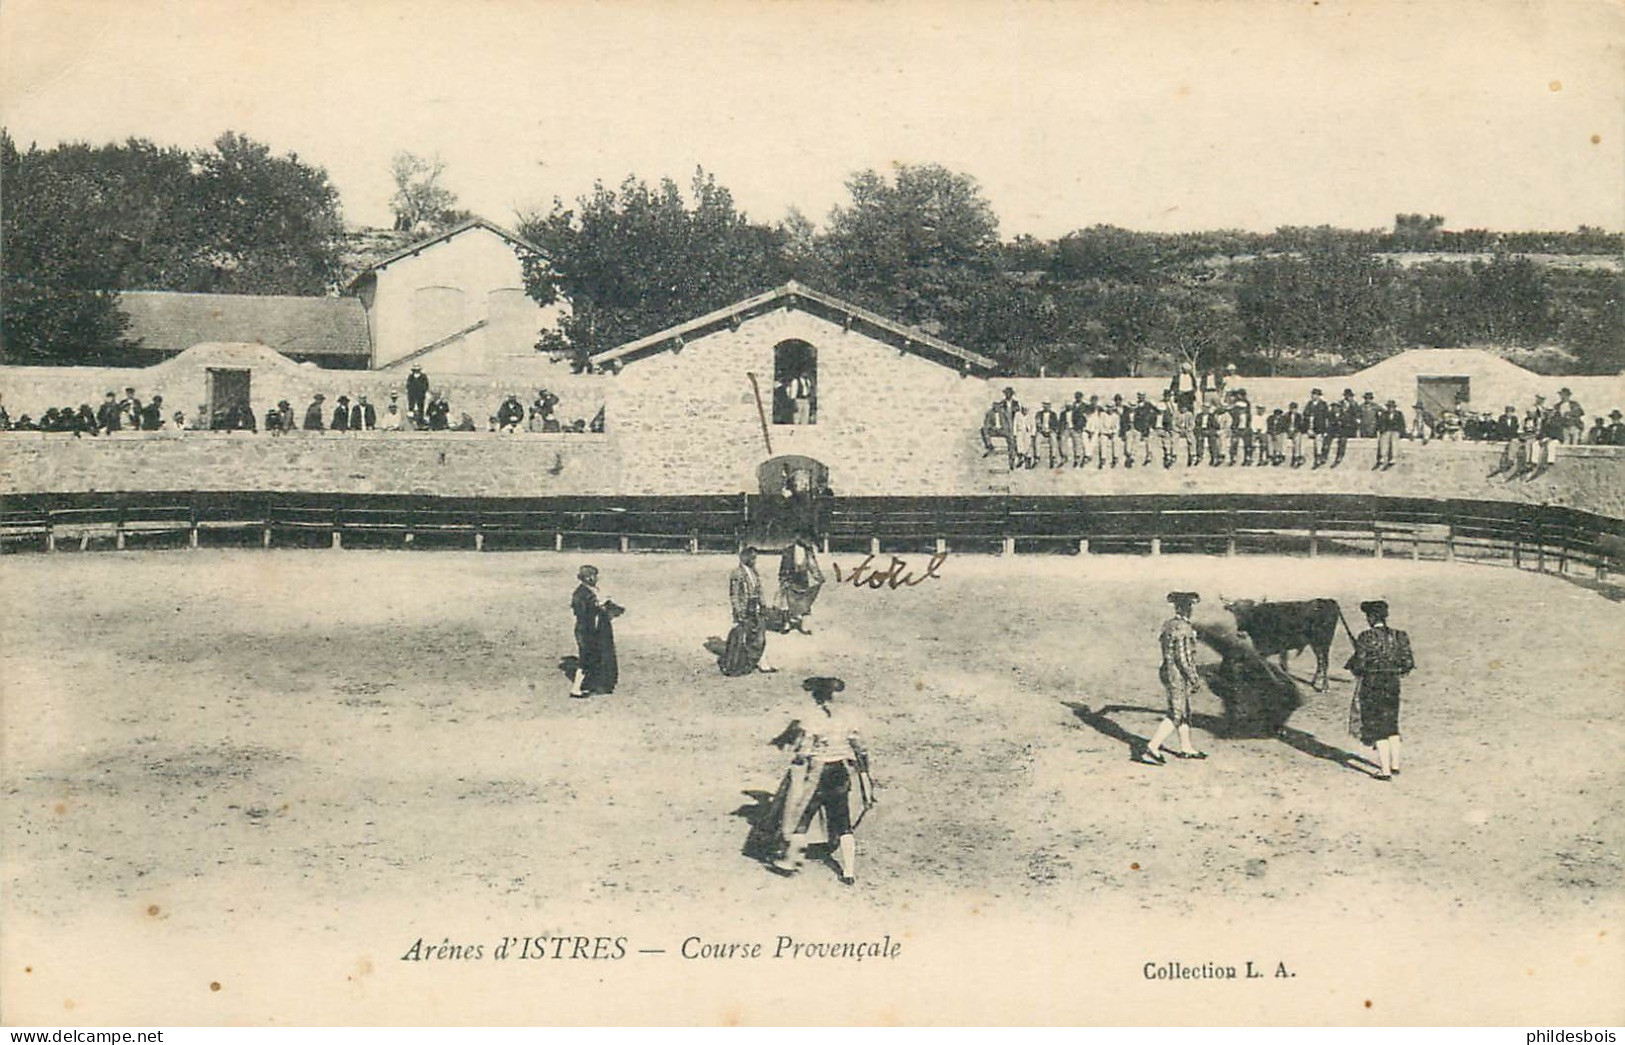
column 238, row 786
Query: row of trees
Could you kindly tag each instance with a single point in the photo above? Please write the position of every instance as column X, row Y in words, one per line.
column 923, row 246
column 920, row 243
column 80, row 222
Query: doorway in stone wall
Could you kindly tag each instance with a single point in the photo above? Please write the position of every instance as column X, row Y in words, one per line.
column 1442, row 395
column 794, row 490
column 227, row 395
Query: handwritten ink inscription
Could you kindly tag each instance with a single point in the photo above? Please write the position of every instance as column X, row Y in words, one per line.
column 897, row 574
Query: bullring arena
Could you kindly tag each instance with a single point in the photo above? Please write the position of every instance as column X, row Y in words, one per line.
column 262, row 755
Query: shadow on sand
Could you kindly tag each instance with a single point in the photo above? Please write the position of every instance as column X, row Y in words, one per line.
column 1607, row 589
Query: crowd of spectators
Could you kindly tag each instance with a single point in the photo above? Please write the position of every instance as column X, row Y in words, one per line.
column 1212, row 422
column 425, row 409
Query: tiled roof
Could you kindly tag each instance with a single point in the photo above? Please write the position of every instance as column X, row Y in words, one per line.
column 793, row 294
column 166, row 321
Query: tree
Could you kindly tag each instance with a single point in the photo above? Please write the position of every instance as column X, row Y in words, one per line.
column 420, row 200
column 82, row 222
column 920, row 247
column 56, row 298
column 1417, row 231
column 271, row 225
column 1338, row 300
column 637, row 259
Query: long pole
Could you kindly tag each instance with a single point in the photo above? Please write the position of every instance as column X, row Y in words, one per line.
column 760, row 413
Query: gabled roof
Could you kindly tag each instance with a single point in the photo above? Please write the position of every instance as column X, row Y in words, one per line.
column 168, row 321
column 514, row 240
column 795, row 295
column 1444, row 361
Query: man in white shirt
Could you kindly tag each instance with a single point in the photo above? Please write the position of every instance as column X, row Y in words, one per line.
column 1103, row 426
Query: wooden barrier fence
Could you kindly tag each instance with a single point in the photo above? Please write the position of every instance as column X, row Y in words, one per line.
column 1526, row 536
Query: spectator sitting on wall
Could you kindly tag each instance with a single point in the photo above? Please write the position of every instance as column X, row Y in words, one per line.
column 341, row 416
column 438, row 414
column 285, row 411
column 510, row 414
column 108, row 415
column 1616, row 428
column 152, row 415
column 177, row 421
column 363, row 415
column 130, row 407
column 992, row 428
column 465, row 423
column 314, row 413
column 239, row 418
column 85, row 421
column 1598, row 436
column 25, row 424
column 541, row 411
column 273, row 420
column 393, row 420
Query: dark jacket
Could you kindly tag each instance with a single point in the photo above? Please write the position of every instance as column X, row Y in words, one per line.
column 1318, row 414
column 313, row 418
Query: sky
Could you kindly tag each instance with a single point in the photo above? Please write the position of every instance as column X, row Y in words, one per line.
column 1170, row 116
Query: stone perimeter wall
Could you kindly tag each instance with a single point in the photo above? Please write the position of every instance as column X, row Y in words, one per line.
column 539, row 465
column 445, row 464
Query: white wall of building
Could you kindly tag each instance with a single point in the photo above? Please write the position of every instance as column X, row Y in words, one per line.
column 447, row 287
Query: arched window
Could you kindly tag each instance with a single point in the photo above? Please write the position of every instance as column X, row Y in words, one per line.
column 795, row 383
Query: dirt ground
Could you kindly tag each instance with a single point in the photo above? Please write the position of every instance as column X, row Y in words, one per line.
column 239, row 786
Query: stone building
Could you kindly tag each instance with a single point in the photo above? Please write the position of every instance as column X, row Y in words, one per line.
column 455, row 302
column 702, row 406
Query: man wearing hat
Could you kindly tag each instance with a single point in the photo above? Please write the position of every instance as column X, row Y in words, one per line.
column 1103, row 433
column 827, row 788
column 1167, row 428
column 1540, row 427
column 1616, row 428
column 1179, row 680
column 1514, row 452
column 1345, row 422
column 1368, row 416
column 1075, row 427
column 1317, row 416
column 417, row 392
column 1142, row 418
column 108, row 414
column 1007, row 409
column 1382, row 656
column 341, row 415
column 1571, row 418
column 314, row 412
column 1390, row 426
column 363, row 416
column 1048, row 424
column 392, row 421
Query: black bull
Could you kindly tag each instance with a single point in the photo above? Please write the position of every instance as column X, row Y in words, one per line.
column 1288, row 627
